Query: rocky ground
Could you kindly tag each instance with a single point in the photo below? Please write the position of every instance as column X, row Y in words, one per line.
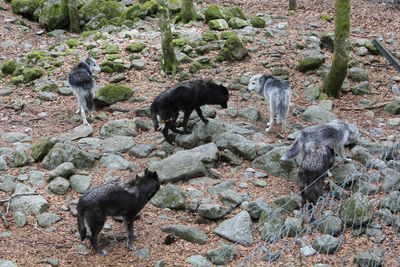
column 227, row 197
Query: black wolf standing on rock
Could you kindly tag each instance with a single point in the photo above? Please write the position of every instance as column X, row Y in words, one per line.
column 115, row 199
column 81, row 81
column 186, row 97
column 314, row 167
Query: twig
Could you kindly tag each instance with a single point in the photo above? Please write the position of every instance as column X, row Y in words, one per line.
column 367, row 107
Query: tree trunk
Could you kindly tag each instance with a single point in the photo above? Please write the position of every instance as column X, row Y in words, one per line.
column 168, row 61
column 292, row 4
column 334, row 80
column 188, row 13
column 74, row 24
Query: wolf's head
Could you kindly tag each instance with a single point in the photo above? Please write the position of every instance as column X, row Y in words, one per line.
column 93, row 66
column 223, row 96
column 257, row 82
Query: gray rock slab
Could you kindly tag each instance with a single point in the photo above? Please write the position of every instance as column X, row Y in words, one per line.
column 237, row 229
column 191, row 234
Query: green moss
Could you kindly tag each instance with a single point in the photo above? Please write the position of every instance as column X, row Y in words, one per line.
column 213, row 12
column 16, row 80
column 114, row 93
column 135, row 47
column 54, row 16
column 35, row 54
column 31, row 74
column 152, row 7
column 109, row 66
column 41, row 148
column 179, row 42
column 99, row 36
column 87, row 33
column 257, row 22
column 371, row 48
column 25, row 8
column 226, row 35
column 209, row 36
column 90, row 9
column 107, row 69
column 326, row 17
column 112, row 9
column 113, row 57
column 195, row 67
column 8, row 67
column 224, row 55
column 111, row 49
column 235, row 12
column 133, row 12
column 72, row 43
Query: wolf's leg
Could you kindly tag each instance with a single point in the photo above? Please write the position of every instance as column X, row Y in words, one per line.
column 165, row 132
column 200, row 113
column 129, row 229
column 272, row 111
column 282, row 114
column 186, row 117
column 84, row 116
column 82, row 105
column 95, row 220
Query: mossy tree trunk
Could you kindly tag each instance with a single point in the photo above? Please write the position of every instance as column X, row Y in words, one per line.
column 188, row 13
column 74, row 24
column 334, row 80
column 168, row 61
column 292, row 4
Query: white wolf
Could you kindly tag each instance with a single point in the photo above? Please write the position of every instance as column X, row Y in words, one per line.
column 335, row 134
column 81, row 81
column 277, row 92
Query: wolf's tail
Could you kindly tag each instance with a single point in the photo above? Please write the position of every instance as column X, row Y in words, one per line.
column 153, row 112
column 81, row 225
column 89, row 100
column 294, row 150
column 283, row 106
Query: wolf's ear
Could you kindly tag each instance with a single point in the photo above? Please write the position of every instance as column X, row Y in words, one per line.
column 263, row 78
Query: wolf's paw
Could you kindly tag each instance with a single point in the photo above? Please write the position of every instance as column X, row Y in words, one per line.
column 101, row 252
column 206, row 121
column 131, row 247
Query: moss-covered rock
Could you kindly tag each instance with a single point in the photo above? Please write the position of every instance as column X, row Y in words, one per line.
column 110, row 94
column 237, row 23
column 152, row 7
column 393, row 107
column 8, row 67
column 233, row 50
column 72, row 43
column 327, row 41
column 31, row 74
column 371, row 48
column 227, row 35
column 135, row 47
column 96, row 22
column 54, row 14
column 214, row 12
column 111, row 49
column 257, row 22
column 110, row 9
column 109, row 67
column 356, row 210
column 218, row 24
column 311, row 60
column 41, row 148
column 134, row 12
column 358, row 74
column 179, row 42
column 234, row 12
column 209, row 36
column 25, row 8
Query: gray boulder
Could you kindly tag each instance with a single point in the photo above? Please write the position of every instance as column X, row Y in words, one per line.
column 198, row 261
column 292, row 226
column 222, row 255
column 391, row 180
column 124, row 127
column 115, row 162
column 255, row 208
column 54, row 14
column 237, row 229
column 117, row 144
column 330, row 225
column 369, row 259
column 67, row 152
column 13, row 137
column 47, row 219
column 392, row 202
column 80, row 131
column 191, row 234
column 231, row 198
column 358, row 75
column 311, row 60
column 270, row 225
column 221, row 187
column 186, row 164
column 237, row 144
column 356, row 210
column 29, row 204
column 169, row 196
column 317, row 114
column 326, row 244
column 211, row 211
column 141, row 151
column 80, row 183
column 66, row 170
column 251, row 113
column 59, row 185
column 271, row 163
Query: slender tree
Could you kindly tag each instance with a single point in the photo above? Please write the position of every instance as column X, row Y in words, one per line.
column 188, row 13
column 292, row 4
column 334, row 80
column 169, row 62
column 74, row 24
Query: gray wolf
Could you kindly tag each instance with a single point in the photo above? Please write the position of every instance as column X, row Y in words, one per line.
column 335, row 134
column 186, row 97
column 81, row 81
column 125, row 199
column 277, row 93
column 314, row 168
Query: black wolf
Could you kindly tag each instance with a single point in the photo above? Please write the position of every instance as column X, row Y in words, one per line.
column 186, row 97
column 115, row 199
column 81, row 81
column 314, row 168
